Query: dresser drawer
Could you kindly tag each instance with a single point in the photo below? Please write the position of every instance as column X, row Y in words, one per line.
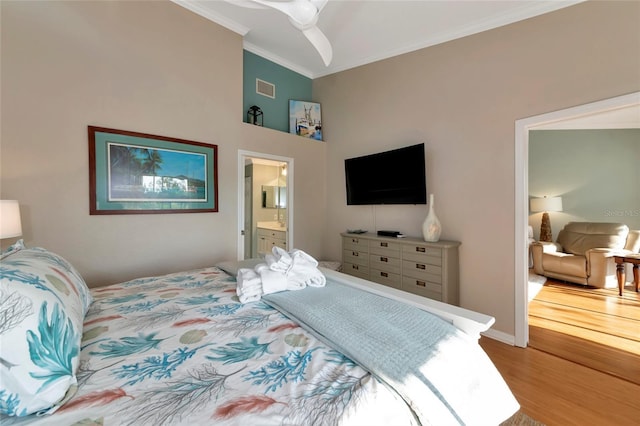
column 385, row 263
column 355, row 243
column 385, row 248
column 356, row 270
column 385, row 277
column 422, row 288
column 356, row 257
column 422, row 271
column 428, row 255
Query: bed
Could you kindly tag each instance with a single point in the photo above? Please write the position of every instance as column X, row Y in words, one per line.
column 182, row 349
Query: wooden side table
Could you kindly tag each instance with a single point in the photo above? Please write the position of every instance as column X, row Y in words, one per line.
column 620, row 261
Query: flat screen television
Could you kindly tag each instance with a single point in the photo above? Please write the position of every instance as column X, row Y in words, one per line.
column 391, row 177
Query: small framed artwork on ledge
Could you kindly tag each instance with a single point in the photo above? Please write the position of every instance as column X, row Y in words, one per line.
column 138, row 173
column 305, row 119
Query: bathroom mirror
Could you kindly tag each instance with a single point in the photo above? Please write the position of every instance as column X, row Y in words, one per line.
column 274, row 197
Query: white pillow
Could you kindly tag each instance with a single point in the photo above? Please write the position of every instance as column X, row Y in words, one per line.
column 231, row 266
column 43, row 301
column 17, row 246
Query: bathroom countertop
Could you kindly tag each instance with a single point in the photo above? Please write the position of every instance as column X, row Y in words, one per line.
column 273, row 226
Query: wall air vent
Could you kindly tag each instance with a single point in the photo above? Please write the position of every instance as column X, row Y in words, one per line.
column 265, row 88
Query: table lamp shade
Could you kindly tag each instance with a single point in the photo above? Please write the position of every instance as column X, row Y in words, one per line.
column 553, row 204
column 546, row 205
column 10, row 224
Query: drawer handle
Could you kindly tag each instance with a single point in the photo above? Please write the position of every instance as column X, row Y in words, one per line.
column 420, row 249
column 384, row 244
column 354, row 240
column 384, row 274
column 355, row 253
column 420, row 266
column 354, row 267
column 421, row 283
column 384, row 259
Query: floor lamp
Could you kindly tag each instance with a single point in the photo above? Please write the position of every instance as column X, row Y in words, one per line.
column 546, row 205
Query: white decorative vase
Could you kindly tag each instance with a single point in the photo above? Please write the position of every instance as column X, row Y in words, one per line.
column 431, row 228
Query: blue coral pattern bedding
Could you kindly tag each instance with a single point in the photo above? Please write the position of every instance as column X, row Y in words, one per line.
column 181, row 349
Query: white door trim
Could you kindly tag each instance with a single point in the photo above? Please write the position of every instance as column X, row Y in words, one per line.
column 522, row 128
column 242, row 157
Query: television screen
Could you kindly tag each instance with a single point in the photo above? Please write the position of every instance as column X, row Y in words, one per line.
column 391, row 177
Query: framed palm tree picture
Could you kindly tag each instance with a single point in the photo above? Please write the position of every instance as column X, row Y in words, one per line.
column 138, row 173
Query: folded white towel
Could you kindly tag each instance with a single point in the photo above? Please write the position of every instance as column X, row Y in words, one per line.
column 246, row 278
column 282, row 271
column 273, row 281
column 249, row 285
column 300, row 258
column 279, row 260
column 317, row 280
column 304, row 270
column 249, row 298
column 306, row 276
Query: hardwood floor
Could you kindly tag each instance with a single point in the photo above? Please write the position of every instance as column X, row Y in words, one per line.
column 558, row 392
column 589, row 326
column 583, row 363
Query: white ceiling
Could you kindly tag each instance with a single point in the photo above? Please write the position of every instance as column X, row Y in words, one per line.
column 361, row 31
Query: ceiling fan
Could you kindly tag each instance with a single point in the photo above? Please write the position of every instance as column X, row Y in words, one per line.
column 303, row 14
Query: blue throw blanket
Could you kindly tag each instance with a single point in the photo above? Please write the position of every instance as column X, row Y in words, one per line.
column 442, row 373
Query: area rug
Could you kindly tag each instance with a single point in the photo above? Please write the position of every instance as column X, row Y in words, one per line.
column 535, row 284
column 521, row 419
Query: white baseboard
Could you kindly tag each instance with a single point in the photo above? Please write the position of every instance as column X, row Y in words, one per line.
column 509, row 339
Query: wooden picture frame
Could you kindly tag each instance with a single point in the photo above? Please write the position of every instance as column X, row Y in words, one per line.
column 139, row 173
column 305, row 119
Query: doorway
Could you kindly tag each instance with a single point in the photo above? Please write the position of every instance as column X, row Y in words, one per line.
column 618, row 112
column 265, row 201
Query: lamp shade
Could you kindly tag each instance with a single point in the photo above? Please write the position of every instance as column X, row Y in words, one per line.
column 553, row 204
column 10, row 224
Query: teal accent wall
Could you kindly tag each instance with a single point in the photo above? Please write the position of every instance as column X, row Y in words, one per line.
column 289, row 85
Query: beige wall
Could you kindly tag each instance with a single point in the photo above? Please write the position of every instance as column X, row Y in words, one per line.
column 151, row 67
column 157, row 68
column 462, row 99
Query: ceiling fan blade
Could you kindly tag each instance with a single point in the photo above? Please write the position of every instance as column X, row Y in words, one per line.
column 320, row 42
column 301, row 12
column 249, row 4
column 319, row 4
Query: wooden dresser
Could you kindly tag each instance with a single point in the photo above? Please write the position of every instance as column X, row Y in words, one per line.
column 409, row 264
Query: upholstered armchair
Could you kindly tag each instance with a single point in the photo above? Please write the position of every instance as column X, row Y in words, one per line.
column 583, row 253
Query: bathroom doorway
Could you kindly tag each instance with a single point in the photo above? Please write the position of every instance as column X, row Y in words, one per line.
column 265, row 203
